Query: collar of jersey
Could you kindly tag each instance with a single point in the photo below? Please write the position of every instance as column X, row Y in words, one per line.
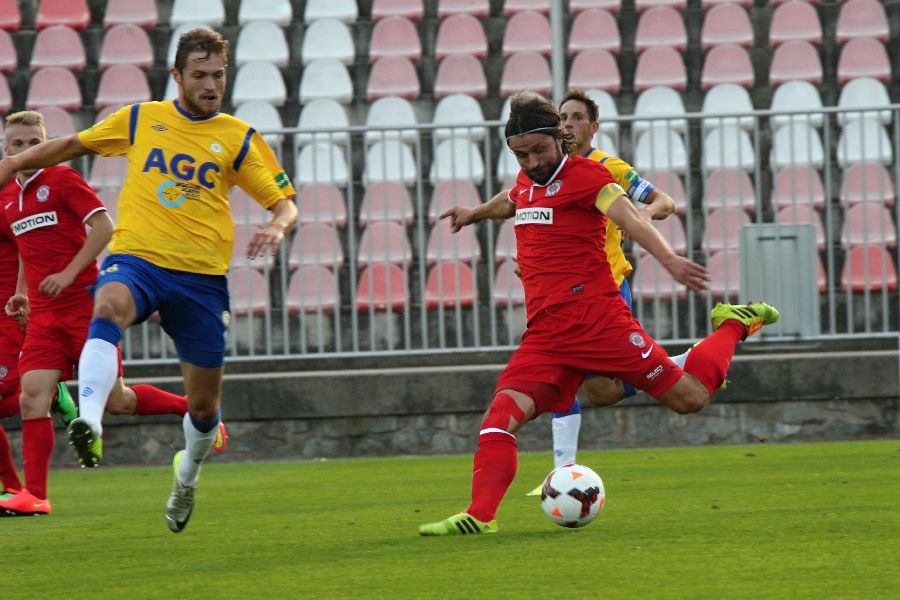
column 555, row 173
column 588, row 153
column 189, row 115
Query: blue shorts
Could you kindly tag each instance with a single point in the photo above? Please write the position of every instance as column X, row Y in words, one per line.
column 193, row 307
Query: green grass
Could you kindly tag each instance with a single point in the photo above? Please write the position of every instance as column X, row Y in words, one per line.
column 792, row 521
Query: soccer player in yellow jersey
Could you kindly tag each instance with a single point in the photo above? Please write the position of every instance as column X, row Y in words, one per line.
column 172, row 245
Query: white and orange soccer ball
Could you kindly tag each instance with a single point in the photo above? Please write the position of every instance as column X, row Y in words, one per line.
column 572, row 495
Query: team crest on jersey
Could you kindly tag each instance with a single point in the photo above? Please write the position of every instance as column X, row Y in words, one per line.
column 637, row 339
column 4, row 371
column 43, row 193
column 215, row 147
column 553, row 188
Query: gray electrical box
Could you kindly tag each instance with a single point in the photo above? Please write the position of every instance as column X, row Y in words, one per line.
column 779, row 264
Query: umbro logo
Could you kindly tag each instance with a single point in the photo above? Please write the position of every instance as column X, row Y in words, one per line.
column 159, row 127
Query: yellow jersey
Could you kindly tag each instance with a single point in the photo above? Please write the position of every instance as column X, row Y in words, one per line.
column 638, row 189
column 173, row 208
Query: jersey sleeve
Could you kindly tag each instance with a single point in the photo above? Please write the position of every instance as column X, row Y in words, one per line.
column 636, row 187
column 112, row 135
column 80, row 198
column 609, row 189
column 257, row 171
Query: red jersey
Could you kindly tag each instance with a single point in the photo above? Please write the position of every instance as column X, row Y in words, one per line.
column 560, row 233
column 47, row 216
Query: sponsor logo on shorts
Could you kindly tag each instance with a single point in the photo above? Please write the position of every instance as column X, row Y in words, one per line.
column 655, row 373
column 34, row 222
column 536, row 216
column 553, row 189
column 43, row 193
column 226, row 318
column 637, row 339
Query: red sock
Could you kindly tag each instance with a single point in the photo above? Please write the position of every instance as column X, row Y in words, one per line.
column 9, row 404
column 154, row 401
column 37, row 446
column 9, row 478
column 493, row 471
column 710, row 359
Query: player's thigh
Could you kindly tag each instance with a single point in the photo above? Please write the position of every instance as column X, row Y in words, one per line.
column 603, row 391
column 203, row 387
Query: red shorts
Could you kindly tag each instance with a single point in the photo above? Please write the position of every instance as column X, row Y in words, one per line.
column 11, row 337
column 564, row 343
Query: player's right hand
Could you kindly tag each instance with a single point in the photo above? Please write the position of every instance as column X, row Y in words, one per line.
column 459, row 216
column 17, row 306
column 693, row 276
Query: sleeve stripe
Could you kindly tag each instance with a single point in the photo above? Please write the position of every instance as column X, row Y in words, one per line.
column 609, row 194
column 245, row 147
column 132, row 122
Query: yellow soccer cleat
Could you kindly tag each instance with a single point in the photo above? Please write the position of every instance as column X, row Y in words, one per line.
column 459, row 524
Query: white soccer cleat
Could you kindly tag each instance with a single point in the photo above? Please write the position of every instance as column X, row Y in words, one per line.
column 181, row 502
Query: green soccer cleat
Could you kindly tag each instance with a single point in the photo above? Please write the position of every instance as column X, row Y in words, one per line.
column 536, row 491
column 180, row 504
column 461, row 524
column 87, row 442
column 64, row 405
column 752, row 316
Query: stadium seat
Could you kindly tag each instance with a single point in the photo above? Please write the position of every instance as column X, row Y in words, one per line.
column 867, row 182
column 342, row 10
column 729, row 188
column 58, row 46
column 864, row 140
column 396, row 113
column 450, row 284
column 863, row 57
column 321, row 203
column 803, row 213
column 728, row 147
column 142, row 13
column 505, row 244
column 211, row 12
column 796, row 20
column 658, row 66
column 245, row 210
column 508, row 290
column 722, row 228
column 726, row 24
column 476, row 8
column 671, row 184
column 860, row 93
column 176, row 34
column 507, row 165
column 386, row 201
column 445, row 245
column 408, row 9
column 728, row 63
column 794, row 96
column 862, row 18
column 323, row 113
column 121, row 85
column 384, row 242
column 105, row 112
column 279, row 12
column 595, row 69
column 724, row 273
column 54, row 86
column 798, row 185
column 576, row 7
column 527, row 31
column 583, row 35
column 107, row 172
column 605, row 143
column 796, row 144
column 460, row 74
column 652, row 281
column 382, row 287
column 659, row 102
column 726, row 99
column 57, row 122
column 9, row 58
column 71, row 13
column 607, row 109
column 261, row 40
column 868, row 223
column 395, row 37
column 461, row 34
column 321, row 162
column 312, row 288
column 795, row 60
column 660, row 26
column 511, row 7
column 525, row 71
column 262, row 116
column 457, row 158
column 869, row 268
column 390, row 160
column 126, row 44
column 328, row 38
column 259, row 80
column 642, row 5
column 10, row 15
column 672, row 229
column 325, row 78
column 450, row 193
column 243, row 233
column 6, row 100
column 249, row 291
column 393, row 76
column 315, row 244
column 661, row 149
column 458, row 109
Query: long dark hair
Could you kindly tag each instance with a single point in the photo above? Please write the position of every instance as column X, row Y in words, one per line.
column 533, row 113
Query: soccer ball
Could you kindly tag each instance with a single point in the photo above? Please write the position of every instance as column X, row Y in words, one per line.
column 572, row 495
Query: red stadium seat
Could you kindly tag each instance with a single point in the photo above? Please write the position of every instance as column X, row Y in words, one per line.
column 142, row 13
column 454, row 192
column 595, row 69
column 652, row 281
column 527, row 31
column 316, row 244
column 803, row 213
column 724, row 274
column 108, row 172
column 6, row 101
column 672, row 229
column 245, row 210
column 671, row 184
column 382, row 287
column 460, row 74
column 71, row 13
column 707, row 4
column 525, row 71
column 722, row 228
column 867, row 182
column 659, row 66
column 642, row 5
column 798, row 185
column 726, row 24
column 10, row 15
column 312, row 288
column 862, row 18
column 386, row 201
column 408, row 9
column 729, row 188
column 796, row 20
column 868, row 223
column 505, row 245
column 508, row 290
column 795, row 60
column 393, row 76
column 126, row 44
column 728, row 63
column 864, row 57
column 476, row 8
column 460, row 34
column 249, row 291
column 450, row 284
column 57, row 122
column 395, row 37
column 661, row 26
column 243, row 233
column 511, row 7
column 577, row 6
column 583, row 35
column 9, row 58
column 122, row 84
column 443, row 244
column 384, row 242
column 54, row 86
column 321, row 203
column 58, row 46
column 868, row 268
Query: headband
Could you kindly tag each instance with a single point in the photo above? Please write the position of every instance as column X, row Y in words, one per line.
column 535, row 130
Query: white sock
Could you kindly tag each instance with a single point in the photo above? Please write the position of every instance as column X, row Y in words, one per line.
column 197, row 445
column 680, row 359
column 565, row 438
column 98, row 369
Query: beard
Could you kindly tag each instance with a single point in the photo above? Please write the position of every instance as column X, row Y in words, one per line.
column 542, row 174
column 197, row 110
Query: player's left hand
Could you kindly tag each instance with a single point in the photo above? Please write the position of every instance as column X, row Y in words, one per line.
column 17, row 306
column 265, row 241
column 54, row 284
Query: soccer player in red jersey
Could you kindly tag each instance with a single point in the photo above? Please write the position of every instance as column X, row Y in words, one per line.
column 12, row 334
column 577, row 321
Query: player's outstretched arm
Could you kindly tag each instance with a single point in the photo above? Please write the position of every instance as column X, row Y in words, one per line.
column 45, row 154
column 498, row 207
column 267, row 239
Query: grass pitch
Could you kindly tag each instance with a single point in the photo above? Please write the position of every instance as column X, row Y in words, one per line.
column 781, row 521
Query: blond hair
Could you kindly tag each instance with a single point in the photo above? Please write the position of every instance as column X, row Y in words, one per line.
column 28, row 118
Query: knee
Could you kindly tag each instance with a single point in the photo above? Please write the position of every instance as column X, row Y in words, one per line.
column 32, row 405
column 204, row 414
column 507, row 412
column 104, row 309
column 121, row 401
column 690, row 403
